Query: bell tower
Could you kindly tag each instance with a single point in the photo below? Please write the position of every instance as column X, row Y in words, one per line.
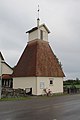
column 40, row 32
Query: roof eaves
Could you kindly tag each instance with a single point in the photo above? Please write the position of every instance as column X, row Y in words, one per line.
column 1, row 56
column 33, row 29
column 45, row 27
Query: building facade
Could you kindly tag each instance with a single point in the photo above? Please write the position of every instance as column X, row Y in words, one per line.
column 5, row 73
column 38, row 67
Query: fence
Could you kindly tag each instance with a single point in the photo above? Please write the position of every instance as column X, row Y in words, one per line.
column 72, row 90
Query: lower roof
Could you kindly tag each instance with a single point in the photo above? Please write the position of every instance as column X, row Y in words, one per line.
column 6, row 76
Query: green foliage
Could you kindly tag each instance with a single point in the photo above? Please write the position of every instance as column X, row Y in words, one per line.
column 72, row 83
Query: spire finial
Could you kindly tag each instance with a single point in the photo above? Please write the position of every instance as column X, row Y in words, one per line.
column 38, row 11
column 38, row 17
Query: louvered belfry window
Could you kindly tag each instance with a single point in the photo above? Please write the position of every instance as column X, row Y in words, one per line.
column 41, row 34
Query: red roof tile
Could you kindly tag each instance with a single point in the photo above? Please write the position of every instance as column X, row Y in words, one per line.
column 38, row 60
column 6, row 76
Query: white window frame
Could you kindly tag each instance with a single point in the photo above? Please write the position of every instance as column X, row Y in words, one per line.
column 51, row 79
column 42, row 85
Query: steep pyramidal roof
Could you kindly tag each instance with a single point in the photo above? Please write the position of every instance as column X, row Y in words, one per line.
column 38, row 60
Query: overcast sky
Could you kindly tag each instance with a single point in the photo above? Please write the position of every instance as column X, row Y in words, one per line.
column 62, row 17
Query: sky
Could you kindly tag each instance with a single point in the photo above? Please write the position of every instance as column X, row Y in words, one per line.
column 62, row 17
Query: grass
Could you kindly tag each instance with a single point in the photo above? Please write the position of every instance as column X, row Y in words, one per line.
column 14, row 99
column 31, row 97
column 59, row 94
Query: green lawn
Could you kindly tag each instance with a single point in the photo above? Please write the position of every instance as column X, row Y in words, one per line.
column 13, row 99
column 30, row 97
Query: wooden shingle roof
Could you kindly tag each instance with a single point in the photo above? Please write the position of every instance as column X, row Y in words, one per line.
column 38, row 60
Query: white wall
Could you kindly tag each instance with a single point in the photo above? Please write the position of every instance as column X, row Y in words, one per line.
column 25, row 82
column 35, row 84
column 0, row 77
column 0, row 66
column 33, row 35
column 57, row 86
column 6, row 69
column 36, row 34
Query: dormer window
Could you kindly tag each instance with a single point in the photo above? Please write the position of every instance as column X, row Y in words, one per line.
column 41, row 34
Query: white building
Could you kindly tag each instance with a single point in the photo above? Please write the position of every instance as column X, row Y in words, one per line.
column 38, row 68
column 5, row 72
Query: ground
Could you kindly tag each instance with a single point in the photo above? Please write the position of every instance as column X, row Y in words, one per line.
column 42, row 108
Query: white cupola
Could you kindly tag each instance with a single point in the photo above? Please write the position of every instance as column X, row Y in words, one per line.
column 40, row 32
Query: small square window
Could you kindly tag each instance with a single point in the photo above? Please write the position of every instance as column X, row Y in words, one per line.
column 51, row 82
